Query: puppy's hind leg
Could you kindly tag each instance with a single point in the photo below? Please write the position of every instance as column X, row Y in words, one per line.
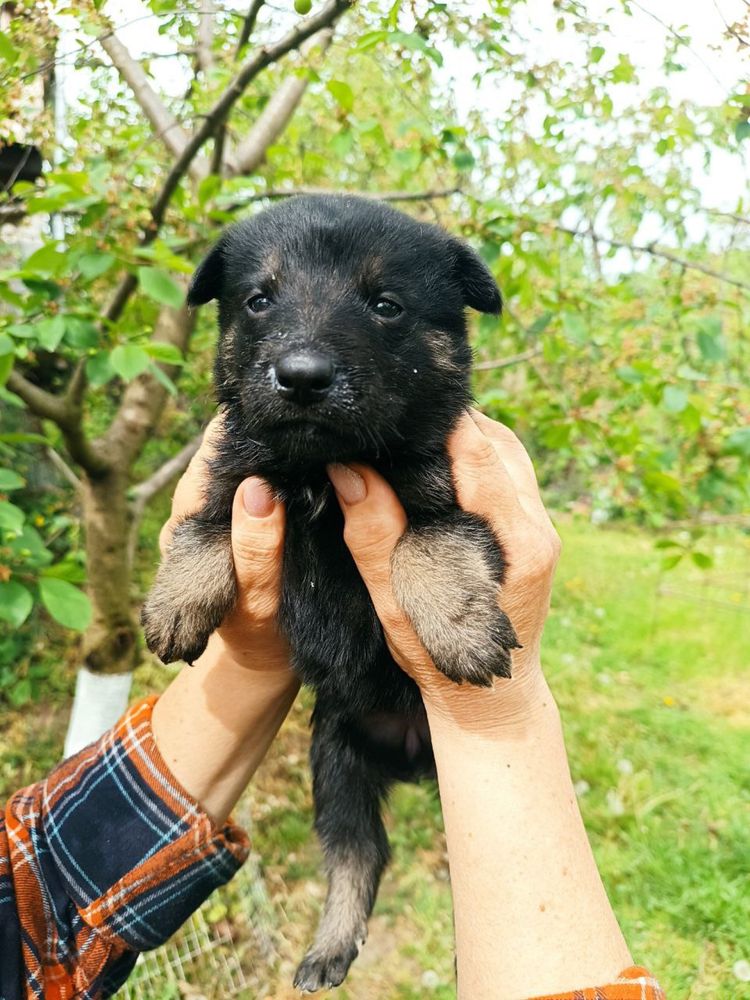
column 194, row 591
column 348, row 793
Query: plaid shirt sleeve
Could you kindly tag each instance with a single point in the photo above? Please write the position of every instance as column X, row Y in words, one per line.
column 104, row 858
column 634, row 983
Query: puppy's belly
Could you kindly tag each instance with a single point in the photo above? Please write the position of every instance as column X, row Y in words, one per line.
column 398, row 742
column 326, row 613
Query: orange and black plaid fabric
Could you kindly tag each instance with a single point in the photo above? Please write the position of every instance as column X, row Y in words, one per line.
column 108, row 856
column 634, row 983
column 104, row 858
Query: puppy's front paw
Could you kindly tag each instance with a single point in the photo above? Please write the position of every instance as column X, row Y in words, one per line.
column 194, row 591
column 320, row 970
column 447, row 578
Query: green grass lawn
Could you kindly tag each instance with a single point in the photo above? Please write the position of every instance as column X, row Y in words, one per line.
column 651, row 674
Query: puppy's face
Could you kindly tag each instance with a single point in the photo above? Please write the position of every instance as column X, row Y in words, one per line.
column 342, row 327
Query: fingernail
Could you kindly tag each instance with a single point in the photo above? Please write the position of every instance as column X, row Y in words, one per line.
column 349, row 485
column 257, row 497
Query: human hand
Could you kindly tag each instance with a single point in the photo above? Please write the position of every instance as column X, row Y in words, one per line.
column 494, row 478
column 249, row 634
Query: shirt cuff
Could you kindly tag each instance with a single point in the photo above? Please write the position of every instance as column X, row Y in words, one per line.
column 634, row 983
column 137, row 853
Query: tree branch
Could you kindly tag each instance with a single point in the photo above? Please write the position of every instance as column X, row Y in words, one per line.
column 248, row 25
column 655, row 251
column 145, row 492
column 273, row 194
column 63, row 468
column 513, row 359
column 276, row 114
column 41, row 403
column 265, row 56
column 66, row 412
column 205, row 37
column 173, row 467
column 161, row 118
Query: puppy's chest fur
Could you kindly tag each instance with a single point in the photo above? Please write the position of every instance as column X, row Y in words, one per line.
column 337, row 641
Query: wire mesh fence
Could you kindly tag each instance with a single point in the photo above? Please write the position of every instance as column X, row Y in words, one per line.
column 224, row 950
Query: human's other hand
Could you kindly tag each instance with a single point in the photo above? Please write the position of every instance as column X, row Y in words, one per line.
column 494, row 478
column 249, row 635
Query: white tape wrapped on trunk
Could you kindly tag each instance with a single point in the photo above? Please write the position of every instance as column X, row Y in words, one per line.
column 100, row 700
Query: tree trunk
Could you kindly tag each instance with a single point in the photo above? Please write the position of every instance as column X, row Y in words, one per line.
column 110, row 644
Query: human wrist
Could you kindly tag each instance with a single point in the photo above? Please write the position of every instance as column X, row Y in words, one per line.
column 215, row 722
column 266, row 655
column 508, row 710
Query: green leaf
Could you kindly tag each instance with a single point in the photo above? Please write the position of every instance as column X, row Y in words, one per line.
column 11, row 517
column 415, row 43
column 8, row 51
column 49, row 332
column 463, row 159
column 667, row 543
column 540, row 324
column 46, row 260
column 161, row 376
column 675, row 400
column 168, row 354
column 92, row 265
column 596, row 53
column 208, row 188
column 21, row 692
column 67, row 604
column 342, row 92
column 702, row 560
column 80, row 333
column 6, row 367
column 158, row 285
column 662, row 482
column 624, row 71
column 738, row 442
column 742, row 131
column 68, row 570
column 671, row 561
column 574, row 328
column 15, row 603
column 10, row 480
column 6, row 344
column 99, row 369
column 128, row 361
column 710, row 342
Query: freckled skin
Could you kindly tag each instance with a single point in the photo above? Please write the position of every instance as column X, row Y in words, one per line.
column 320, row 264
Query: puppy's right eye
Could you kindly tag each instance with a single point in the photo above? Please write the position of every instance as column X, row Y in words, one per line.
column 258, row 304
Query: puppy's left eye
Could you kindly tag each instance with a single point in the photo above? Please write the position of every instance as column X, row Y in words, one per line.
column 258, row 304
column 387, row 308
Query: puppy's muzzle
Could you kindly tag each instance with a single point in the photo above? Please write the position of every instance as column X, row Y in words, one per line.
column 303, row 376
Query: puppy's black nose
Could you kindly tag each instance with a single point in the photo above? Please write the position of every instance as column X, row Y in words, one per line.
column 304, row 376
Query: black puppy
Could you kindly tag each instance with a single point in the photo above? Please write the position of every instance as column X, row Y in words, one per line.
column 343, row 338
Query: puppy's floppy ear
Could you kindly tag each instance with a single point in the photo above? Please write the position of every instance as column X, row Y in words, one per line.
column 479, row 288
column 207, row 281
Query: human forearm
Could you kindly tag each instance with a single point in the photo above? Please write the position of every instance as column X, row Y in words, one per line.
column 531, row 912
column 215, row 722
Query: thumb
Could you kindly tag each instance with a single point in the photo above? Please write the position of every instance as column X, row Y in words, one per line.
column 258, row 520
column 374, row 520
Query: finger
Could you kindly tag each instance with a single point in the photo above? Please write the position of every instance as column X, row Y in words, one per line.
column 189, row 493
column 516, row 460
column 374, row 521
column 483, row 484
column 258, row 520
column 512, row 452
